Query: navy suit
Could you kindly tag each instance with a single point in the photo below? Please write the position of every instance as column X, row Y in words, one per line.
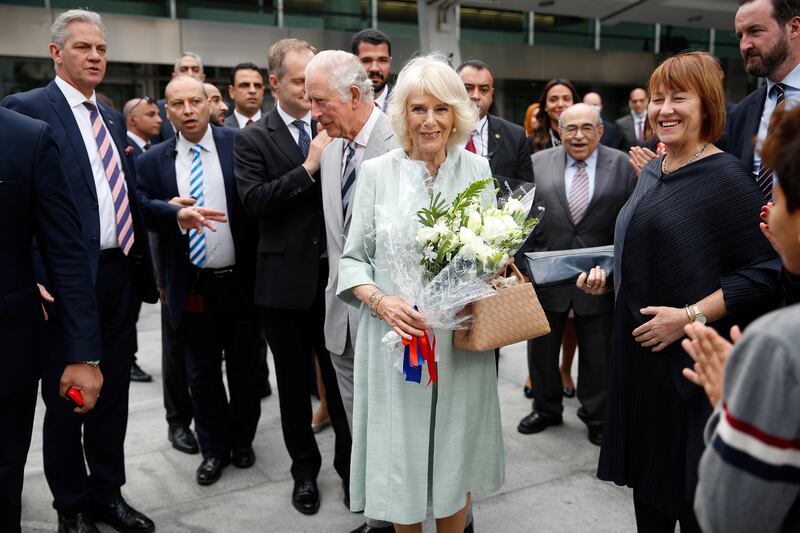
column 120, row 283
column 35, row 200
column 742, row 127
column 226, row 318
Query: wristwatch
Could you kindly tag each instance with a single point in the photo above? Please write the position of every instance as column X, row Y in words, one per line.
column 93, row 364
column 695, row 314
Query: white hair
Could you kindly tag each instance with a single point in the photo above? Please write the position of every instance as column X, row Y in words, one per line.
column 433, row 75
column 345, row 71
column 598, row 120
column 194, row 56
column 59, row 29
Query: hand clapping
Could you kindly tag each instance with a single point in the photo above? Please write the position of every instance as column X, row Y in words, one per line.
column 710, row 352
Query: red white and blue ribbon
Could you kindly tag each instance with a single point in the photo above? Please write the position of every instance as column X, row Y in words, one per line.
column 419, row 350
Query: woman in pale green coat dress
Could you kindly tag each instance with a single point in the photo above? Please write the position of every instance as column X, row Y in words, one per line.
column 417, row 446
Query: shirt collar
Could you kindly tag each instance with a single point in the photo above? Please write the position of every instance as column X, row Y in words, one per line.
column 138, row 140
column 380, row 99
column 207, row 142
column 288, row 119
column 73, row 95
column 481, row 124
column 362, row 138
column 591, row 161
column 243, row 119
column 791, row 80
column 637, row 116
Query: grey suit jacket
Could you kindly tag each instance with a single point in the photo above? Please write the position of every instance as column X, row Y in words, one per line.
column 627, row 132
column 614, row 182
column 230, row 122
column 340, row 317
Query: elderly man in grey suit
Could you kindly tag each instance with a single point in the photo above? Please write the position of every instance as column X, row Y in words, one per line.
column 342, row 102
column 583, row 185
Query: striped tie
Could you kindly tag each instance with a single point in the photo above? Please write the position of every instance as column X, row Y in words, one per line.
column 765, row 173
column 197, row 240
column 579, row 193
column 348, row 176
column 119, row 193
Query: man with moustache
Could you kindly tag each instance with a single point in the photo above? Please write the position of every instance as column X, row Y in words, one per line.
column 102, row 178
column 374, row 49
column 343, row 105
column 631, row 126
column 583, row 184
column 497, row 139
column 216, row 104
column 769, row 41
column 247, row 92
column 277, row 174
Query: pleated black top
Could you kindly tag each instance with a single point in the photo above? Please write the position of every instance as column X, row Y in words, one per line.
column 680, row 237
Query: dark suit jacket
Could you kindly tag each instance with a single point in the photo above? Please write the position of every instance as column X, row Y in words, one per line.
column 277, row 191
column 508, row 151
column 49, row 105
column 35, row 200
column 614, row 182
column 158, row 185
column 742, row 126
column 611, row 136
column 136, row 150
column 627, row 132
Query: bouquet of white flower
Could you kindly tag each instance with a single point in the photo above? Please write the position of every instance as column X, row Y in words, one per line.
column 488, row 235
column 445, row 256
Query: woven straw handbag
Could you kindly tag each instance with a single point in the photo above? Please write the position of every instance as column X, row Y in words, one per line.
column 512, row 315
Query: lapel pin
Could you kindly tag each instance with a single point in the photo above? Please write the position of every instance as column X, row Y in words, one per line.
column 496, row 135
column 128, row 150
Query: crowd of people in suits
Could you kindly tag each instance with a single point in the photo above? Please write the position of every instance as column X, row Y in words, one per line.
column 251, row 227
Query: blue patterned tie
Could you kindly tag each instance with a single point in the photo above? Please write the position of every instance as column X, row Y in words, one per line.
column 765, row 174
column 197, row 240
column 303, row 140
column 348, row 176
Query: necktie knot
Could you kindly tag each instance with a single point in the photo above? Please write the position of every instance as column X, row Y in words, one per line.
column 580, row 164
column 780, row 92
column 299, row 124
column 196, row 149
column 146, row 146
column 90, row 106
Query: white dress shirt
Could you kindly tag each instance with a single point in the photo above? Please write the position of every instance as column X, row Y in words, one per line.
column 571, row 169
column 791, row 96
column 480, row 137
column 289, row 119
column 242, row 120
column 380, row 99
column 638, row 122
column 141, row 143
column 361, row 141
column 220, row 251
column 105, row 202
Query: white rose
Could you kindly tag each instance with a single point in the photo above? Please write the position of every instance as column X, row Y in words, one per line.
column 474, row 222
column 494, row 229
column 515, row 208
column 467, row 236
column 427, row 235
column 509, row 223
column 442, row 229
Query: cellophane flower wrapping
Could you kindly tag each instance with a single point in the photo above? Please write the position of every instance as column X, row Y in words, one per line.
column 448, row 254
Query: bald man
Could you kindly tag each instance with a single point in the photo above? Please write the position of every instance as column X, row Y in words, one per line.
column 611, row 137
column 143, row 123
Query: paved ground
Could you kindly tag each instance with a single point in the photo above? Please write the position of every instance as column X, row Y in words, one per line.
column 550, row 484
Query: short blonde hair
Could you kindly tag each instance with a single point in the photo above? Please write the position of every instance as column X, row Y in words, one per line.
column 433, row 75
column 277, row 53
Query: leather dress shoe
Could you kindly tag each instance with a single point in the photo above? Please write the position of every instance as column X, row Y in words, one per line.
column 182, row 439
column 364, row 528
column 305, row 497
column 210, row 470
column 528, row 392
column 139, row 375
column 536, row 422
column 76, row 523
column 596, row 435
column 244, row 458
column 122, row 517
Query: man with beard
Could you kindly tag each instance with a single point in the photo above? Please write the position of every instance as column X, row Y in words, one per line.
column 374, row 49
column 218, row 106
column 769, row 41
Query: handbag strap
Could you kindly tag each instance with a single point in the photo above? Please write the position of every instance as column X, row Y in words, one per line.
column 515, row 271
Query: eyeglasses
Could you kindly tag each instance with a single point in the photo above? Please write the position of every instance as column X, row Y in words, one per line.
column 586, row 129
column 146, row 99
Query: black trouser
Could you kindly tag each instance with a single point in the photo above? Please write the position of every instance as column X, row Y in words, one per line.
column 651, row 520
column 295, row 336
column 103, row 428
column 594, row 343
column 16, row 419
column 227, row 322
column 177, row 402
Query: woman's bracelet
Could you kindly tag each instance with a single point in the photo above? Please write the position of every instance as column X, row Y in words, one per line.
column 372, row 299
column 377, row 306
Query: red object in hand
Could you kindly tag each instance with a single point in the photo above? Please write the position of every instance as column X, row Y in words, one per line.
column 75, row 395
